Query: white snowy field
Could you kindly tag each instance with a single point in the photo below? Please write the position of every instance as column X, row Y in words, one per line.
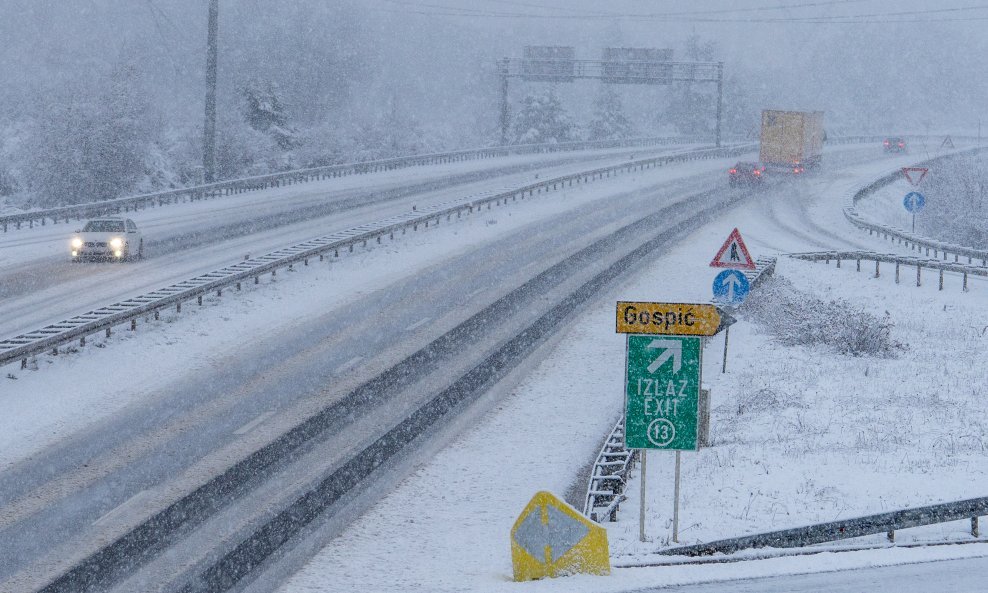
column 801, row 434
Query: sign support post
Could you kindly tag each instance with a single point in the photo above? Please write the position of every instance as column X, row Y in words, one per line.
column 641, row 514
column 727, row 332
column 675, row 506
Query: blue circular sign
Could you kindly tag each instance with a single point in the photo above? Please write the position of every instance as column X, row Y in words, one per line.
column 731, row 287
column 914, row 201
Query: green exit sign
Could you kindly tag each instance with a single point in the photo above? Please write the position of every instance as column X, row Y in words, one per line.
column 662, row 392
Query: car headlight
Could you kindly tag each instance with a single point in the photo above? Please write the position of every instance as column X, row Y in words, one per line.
column 76, row 243
column 116, row 242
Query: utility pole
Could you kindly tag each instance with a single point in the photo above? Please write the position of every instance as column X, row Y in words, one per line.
column 720, row 100
column 209, row 136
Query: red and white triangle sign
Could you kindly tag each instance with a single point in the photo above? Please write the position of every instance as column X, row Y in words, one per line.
column 733, row 254
column 915, row 174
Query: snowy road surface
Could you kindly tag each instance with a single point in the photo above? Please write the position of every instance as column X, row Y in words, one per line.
column 40, row 286
column 955, row 576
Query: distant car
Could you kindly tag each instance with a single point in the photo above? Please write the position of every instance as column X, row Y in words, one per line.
column 894, row 145
column 746, row 174
column 114, row 239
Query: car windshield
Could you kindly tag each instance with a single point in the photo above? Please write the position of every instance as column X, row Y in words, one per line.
column 104, row 226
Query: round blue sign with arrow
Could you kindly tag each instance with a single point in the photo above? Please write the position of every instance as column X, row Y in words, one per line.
column 914, row 201
column 731, row 287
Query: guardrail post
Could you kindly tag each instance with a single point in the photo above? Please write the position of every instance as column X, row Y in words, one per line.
column 941, row 278
column 891, row 536
column 133, row 325
column 896, row 272
column 178, row 307
column 919, row 270
column 974, row 527
column 108, row 332
column 859, row 264
column 965, row 282
column 876, row 268
column 199, row 300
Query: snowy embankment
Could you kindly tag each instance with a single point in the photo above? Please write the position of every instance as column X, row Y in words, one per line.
column 801, row 433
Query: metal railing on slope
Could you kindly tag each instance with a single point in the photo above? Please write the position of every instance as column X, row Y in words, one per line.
column 51, row 337
column 938, row 248
column 882, row 523
column 609, row 475
column 238, row 186
column 898, row 260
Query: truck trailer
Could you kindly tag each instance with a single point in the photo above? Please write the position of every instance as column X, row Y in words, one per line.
column 791, row 140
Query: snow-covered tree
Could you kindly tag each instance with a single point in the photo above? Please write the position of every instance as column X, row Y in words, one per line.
column 542, row 119
column 692, row 108
column 92, row 146
column 609, row 121
column 264, row 111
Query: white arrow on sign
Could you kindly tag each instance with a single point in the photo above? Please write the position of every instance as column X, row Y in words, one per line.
column 732, row 283
column 673, row 349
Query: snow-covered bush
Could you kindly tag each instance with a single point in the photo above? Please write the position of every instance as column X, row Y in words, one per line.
column 797, row 318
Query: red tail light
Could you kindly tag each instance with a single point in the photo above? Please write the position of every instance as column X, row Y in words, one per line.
column 732, row 171
column 887, row 143
column 757, row 172
column 901, row 144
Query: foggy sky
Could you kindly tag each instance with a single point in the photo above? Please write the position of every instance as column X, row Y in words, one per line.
column 896, row 75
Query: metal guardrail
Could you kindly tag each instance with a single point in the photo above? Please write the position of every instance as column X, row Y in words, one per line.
column 899, row 260
column 609, row 476
column 605, row 491
column 882, row 523
column 51, row 337
column 911, row 240
column 238, row 186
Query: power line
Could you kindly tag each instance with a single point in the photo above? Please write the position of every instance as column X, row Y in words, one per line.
column 696, row 16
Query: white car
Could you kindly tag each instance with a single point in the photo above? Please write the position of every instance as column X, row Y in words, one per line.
column 114, row 239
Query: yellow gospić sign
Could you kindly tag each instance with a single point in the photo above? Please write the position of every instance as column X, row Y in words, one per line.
column 678, row 319
column 550, row 538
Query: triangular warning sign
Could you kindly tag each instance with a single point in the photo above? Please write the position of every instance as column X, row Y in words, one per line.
column 733, row 254
column 947, row 142
column 915, row 174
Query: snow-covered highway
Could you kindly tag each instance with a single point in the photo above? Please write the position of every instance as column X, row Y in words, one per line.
column 206, row 390
column 40, row 286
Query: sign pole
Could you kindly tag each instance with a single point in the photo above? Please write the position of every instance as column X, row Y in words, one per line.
column 727, row 332
column 641, row 513
column 914, row 222
column 675, row 507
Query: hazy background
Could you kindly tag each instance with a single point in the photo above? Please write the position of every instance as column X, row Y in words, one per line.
column 105, row 97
